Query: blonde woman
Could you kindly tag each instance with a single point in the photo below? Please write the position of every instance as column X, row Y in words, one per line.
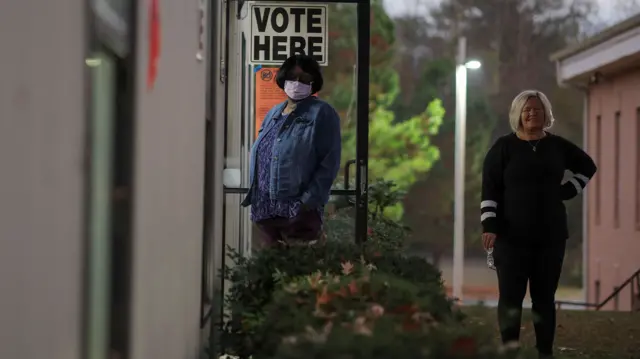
column 523, row 215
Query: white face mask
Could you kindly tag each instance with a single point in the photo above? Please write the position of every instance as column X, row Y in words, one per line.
column 297, row 90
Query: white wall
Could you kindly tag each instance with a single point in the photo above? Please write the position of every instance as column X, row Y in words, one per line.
column 42, row 124
column 168, row 189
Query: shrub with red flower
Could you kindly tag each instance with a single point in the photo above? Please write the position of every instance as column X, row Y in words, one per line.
column 342, row 300
column 312, row 316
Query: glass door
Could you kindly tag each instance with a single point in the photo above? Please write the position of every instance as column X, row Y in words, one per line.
column 252, row 92
column 241, row 91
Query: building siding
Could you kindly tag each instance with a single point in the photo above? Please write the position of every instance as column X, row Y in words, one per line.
column 168, row 188
column 42, row 134
column 614, row 243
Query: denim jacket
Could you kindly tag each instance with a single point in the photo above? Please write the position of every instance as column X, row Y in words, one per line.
column 306, row 153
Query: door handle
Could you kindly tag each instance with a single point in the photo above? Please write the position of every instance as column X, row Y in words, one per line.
column 347, row 166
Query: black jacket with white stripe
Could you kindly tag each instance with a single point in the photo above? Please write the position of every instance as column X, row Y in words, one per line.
column 522, row 189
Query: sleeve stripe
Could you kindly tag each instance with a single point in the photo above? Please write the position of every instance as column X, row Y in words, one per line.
column 576, row 185
column 492, row 204
column 582, row 178
column 487, row 215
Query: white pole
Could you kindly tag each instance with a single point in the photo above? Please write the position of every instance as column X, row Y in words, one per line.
column 459, row 174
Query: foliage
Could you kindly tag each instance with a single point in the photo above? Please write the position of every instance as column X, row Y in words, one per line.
column 440, row 342
column 341, row 300
column 436, row 218
column 382, row 195
column 314, row 314
column 479, row 139
column 340, row 225
column 339, row 76
column 399, row 148
column 519, row 57
column 513, row 41
column 329, row 303
column 254, row 282
column 435, row 80
column 399, row 151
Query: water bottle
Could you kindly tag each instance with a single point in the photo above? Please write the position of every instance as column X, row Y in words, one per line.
column 490, row 261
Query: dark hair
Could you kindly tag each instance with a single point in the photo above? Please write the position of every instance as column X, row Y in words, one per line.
column 307, row 64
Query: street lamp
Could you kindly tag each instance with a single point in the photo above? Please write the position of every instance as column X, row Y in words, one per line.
column 473, row 65
column 459, row 172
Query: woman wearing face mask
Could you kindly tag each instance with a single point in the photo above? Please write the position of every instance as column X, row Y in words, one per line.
column 523, row 215
column 295, row 158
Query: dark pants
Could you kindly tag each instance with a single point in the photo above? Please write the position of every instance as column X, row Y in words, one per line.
column 540, row 266
column 306, row 227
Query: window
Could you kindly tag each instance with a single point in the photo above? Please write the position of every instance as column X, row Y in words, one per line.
column 598, row 131
column 638, row 169
column 616, row 171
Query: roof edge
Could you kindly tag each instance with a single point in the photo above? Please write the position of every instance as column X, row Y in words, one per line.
column 597, row 39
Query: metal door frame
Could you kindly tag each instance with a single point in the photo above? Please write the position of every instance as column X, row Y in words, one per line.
column 362, row 136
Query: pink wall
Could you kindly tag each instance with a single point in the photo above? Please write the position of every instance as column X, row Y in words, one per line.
column 614, row 240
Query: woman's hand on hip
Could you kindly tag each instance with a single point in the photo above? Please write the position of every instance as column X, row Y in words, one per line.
column 488, row 240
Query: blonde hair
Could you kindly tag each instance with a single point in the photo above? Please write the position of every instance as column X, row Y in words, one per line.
column 518, row 103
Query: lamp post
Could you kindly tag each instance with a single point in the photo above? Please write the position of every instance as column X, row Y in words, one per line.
column 459, row 173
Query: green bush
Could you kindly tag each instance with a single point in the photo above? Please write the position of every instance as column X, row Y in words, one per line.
column 304, row 307
column 255, row 280
column 361, row 313
column 388, row 233
column 385, row 341
column 346, row 301
column 340, row 225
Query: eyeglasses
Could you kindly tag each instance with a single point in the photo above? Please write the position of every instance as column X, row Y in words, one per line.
column 490, row 262
column 304, row 78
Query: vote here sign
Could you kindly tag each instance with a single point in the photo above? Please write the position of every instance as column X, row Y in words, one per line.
column 279, row 31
